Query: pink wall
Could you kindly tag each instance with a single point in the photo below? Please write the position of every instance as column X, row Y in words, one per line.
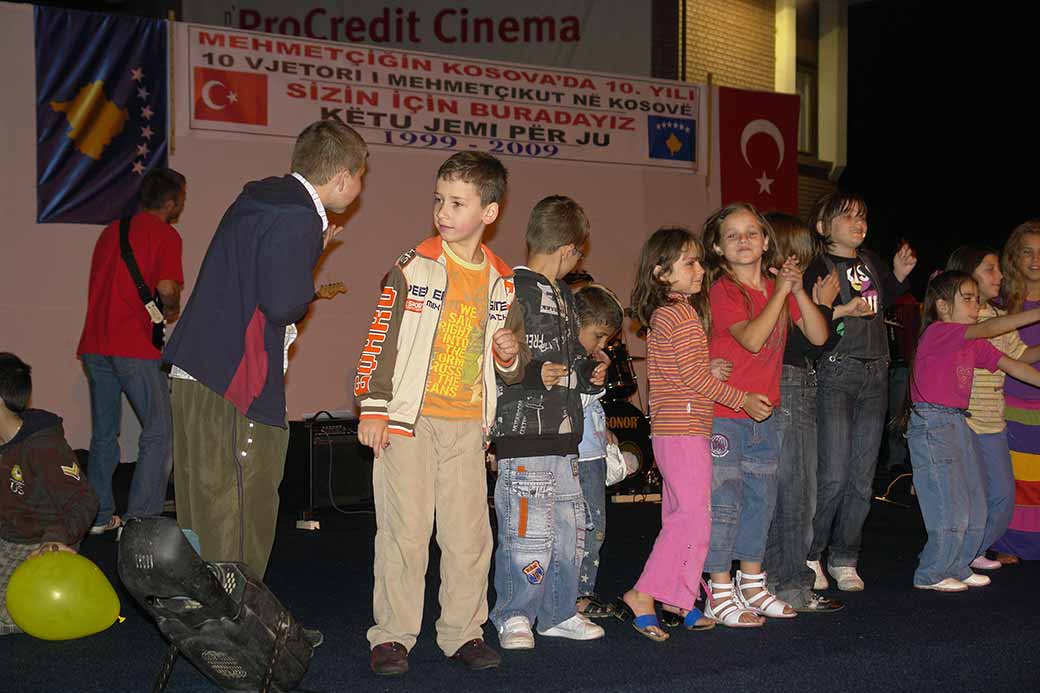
column 44, row 268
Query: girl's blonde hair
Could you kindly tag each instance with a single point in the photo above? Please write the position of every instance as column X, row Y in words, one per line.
column 715, row 264
column 1014, row 289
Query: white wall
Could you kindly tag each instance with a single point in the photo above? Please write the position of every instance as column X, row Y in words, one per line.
column 44, row 267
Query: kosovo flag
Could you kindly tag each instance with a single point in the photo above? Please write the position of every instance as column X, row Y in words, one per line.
column 671, row 138
column 100, row 112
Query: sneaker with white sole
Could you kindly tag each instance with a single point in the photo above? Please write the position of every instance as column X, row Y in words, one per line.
column 983, row 563
column 945, row 585
column 114, row 522
column 515, row 634
column 577, row 627
column 821, row 579
column 847, row 578
column 976, row 580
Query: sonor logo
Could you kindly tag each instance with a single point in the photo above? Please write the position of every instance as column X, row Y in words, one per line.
column 622, row 422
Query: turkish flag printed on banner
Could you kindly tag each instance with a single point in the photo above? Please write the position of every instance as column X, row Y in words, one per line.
column 758, row 146
column 230, row 97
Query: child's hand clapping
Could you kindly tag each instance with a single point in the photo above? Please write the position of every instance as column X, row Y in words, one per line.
column 904, row 261
column 789, row 276
column 826, row 289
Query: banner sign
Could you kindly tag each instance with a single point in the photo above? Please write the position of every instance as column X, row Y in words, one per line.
column 598, row 35
column 266, row 85
column 100, row 112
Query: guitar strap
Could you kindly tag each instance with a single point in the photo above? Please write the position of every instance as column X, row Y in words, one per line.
column 147, row 298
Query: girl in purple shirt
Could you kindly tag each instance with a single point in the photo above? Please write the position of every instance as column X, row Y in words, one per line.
column 946, row 475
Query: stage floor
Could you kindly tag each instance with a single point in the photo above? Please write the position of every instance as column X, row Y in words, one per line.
column 888, row 637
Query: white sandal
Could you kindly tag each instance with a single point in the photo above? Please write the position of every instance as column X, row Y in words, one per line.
column 765, row 603
column 729, row 609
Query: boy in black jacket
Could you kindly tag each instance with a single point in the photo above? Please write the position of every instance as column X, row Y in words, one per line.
column 541, row 513
column 46, row 503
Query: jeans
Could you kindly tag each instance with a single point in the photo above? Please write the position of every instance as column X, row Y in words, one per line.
column 148, row 390
column 541, row 539
column 743, row 490
column 790, row 534
column 851, row 399
column 593, row 477
column 994, row 460
column 949, row 490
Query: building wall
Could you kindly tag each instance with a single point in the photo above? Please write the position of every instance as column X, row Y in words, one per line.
column 734, row 40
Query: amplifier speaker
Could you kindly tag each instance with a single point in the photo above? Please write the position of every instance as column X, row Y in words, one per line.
column 326, row 467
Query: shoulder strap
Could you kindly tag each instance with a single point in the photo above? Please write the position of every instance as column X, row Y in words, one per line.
column 843, row 281
column 131, row 263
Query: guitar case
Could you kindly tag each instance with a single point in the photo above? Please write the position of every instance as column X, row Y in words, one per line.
column 218, row 615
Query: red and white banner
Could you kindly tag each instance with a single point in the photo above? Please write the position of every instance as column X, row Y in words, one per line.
column 274, row 86
column 758, row 149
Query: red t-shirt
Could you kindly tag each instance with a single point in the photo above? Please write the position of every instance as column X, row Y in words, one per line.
column 751, row 372
column 117, row 323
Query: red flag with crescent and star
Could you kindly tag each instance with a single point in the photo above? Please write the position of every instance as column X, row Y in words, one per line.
column 758, row 145
column 230, row 97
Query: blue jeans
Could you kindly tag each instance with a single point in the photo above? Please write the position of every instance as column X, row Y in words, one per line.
column 593, row 477
column 790, row 534
column 148, row 390
column 744, row 458
column 851, row 399
column 541, row 539
column 994, row 459
column 949, row 490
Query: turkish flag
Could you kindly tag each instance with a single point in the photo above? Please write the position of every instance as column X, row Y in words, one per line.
column 758, row 145
column 230, row 97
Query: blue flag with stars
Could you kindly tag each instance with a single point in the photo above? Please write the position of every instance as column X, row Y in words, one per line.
column 671, row 138
column 100, row 112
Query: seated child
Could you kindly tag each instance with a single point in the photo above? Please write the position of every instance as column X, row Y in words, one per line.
column 47, row 504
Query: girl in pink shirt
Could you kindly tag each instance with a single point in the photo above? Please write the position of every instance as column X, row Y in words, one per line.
column 947, row 481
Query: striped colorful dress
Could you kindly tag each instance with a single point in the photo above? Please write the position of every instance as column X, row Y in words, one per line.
column 1022, row 411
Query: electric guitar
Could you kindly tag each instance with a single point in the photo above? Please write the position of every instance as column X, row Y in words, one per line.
column 330, row 290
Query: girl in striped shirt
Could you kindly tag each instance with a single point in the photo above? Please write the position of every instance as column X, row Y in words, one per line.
column 684, row 386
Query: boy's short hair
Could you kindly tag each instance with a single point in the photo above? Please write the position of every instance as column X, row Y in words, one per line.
column 833, row 205
column 556, row 221
column 483, row 171
column 326, row 147
column 598, row 305
column 161, row 185
column 15, row 382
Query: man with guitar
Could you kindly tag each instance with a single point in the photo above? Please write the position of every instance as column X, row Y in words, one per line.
column 136, row 262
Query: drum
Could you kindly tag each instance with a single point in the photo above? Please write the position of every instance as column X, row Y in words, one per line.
column 621, row 379
column 632, row 428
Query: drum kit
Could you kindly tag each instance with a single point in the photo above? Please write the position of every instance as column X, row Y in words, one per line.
column 630, row 425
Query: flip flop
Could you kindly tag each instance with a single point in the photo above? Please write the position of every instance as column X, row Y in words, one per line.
column 670, row 619
column 596, row 608
column 643, row 624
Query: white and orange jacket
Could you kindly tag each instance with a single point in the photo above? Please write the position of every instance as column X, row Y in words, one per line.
column 395, row 361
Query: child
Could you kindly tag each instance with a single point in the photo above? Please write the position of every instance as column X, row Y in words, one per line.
column 668, row 300
column 987, row 424
column 541, row 515
column 851, row 382
column 1020, row 263
column 946, row 475
column 445, row 325
column 790, row 533
column 47, row 503
column 749, row 327
column 600, row 317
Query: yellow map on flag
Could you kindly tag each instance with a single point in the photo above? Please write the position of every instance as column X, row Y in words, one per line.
column 94, row 120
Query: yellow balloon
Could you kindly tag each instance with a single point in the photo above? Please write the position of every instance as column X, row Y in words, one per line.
column 61, row 596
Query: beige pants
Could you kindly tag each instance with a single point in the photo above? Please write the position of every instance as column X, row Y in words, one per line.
column 226, row 472
column 439, row 473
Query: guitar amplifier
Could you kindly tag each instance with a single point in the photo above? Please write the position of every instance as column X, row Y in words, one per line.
column 326, row 467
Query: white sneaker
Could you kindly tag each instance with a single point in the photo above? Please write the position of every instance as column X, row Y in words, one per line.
column 977, row 580
column 847, row 577
column 821, row 579
column 515, row 634
column 577, row 627
column 983, row 563
column 945, row 585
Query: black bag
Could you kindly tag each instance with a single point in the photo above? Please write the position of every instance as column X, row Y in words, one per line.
column 218, row 615
column 152, row 302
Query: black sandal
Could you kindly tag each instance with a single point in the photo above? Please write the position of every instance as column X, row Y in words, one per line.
column 596, row 608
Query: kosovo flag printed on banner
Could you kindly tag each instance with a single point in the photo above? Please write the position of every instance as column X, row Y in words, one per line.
column 100, row 112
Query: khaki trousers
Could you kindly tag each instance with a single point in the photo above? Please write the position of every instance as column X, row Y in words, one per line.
column 226, row 472
column 439, row 473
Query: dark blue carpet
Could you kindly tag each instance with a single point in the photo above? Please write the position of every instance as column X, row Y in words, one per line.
column 889, row 637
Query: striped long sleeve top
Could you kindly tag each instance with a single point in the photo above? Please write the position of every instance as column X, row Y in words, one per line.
column 682, row 388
